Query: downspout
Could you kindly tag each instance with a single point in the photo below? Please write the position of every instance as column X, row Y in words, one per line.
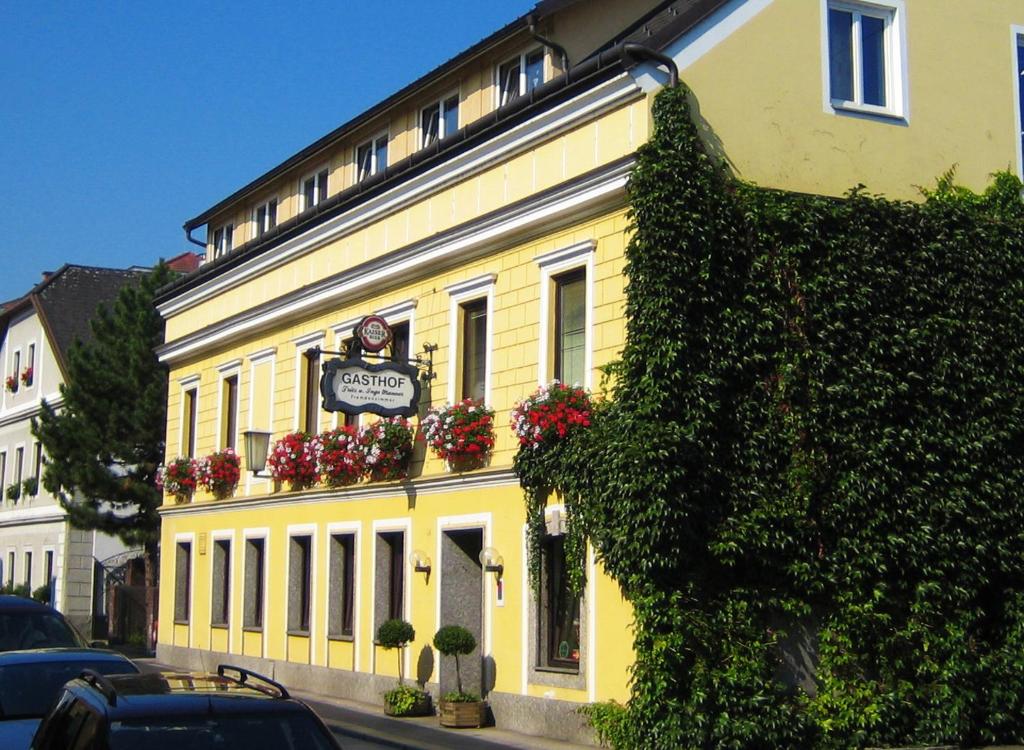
column 190, row 238
column 634, row 50
column 531, row 20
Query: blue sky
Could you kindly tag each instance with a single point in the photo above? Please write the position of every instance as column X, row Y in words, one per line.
column 121, row 119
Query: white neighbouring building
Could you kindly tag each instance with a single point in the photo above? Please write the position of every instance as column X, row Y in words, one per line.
column 38, row 545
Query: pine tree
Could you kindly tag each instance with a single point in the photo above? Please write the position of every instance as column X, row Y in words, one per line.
column 106, row 441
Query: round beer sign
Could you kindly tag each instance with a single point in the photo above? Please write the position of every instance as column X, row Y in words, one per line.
column 373, row 333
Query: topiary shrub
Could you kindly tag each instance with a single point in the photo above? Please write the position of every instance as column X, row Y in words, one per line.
column 455, row 640
column 396, row 634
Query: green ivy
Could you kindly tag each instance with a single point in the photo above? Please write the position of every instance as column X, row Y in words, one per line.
column 816, row 430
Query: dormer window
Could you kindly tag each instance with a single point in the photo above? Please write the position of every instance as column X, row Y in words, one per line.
column 314, row 189
column 520, row 75
column 264, row 216
column 222, row 240
column 439, row 120
column 371, row 157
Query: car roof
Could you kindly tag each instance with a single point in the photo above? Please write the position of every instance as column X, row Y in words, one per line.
column 11, row 602
column 185, row 693
column 52, row 655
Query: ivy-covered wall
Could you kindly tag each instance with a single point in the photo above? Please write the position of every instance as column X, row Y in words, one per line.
column 815, row 434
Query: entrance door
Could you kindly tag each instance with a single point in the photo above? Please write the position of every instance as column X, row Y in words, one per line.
column 462, row 603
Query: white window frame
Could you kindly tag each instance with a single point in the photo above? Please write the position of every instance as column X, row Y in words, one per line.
column 262, row 533
column 324, row 171
column 374, row 166
column 896, row 77
column 225, row 371
column 555, row 263
column 440, row 103
column 262, row 358
column 260, row 229
column 302, row 344
column 185, row 537
column 1017, row 40
column 225, row 535
column 226, row 242
column 355, row 528
column 386, row 526
column 522, row 72
column 471, row 290
column 31, row 357
column 187, row 384
column 308, row 530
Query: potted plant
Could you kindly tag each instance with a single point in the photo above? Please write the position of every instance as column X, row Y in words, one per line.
column 387, row 447
column 459, row 708
column 340, row 460
column 461, row 434
column 402, row 700
column 26, row 376
column 12, row 383
column 219, row 472
column 30, row 487
column 293, row 460
column 178, row 478
column 550, row 413
column 14, row 492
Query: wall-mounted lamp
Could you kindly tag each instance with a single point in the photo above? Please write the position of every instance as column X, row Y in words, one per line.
column 257, row 445
column 420, row 562
column 492, row 561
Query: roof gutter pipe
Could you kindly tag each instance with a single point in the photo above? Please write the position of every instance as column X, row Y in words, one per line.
column 190, row 238
column 531, row 21
column 634, row 50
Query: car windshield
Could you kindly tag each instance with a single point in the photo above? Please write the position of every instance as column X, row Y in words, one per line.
column 28, row 690
column 23, row 629
column 263, row 731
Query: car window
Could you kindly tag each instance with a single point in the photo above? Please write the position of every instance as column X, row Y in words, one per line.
column 61, row 729
column 28, row 690
column 262, row 731
column 34, row 629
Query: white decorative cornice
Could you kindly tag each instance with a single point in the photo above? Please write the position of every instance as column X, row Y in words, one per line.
column 412, row 488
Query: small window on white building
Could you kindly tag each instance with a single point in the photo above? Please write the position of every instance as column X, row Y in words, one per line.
column 865, row 56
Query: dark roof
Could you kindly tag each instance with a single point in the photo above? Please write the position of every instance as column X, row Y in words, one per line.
column 68, row 301
column 663, row 24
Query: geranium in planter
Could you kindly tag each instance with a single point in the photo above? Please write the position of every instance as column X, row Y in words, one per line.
column 551, row 413
column 178, row 478
column 26, row 376
column 459, row 708
column 11, row 383
column 219, row 472
column 387, row 446
column 340, row 458
column 293, row 460
column 462, row 434
column 402, row 700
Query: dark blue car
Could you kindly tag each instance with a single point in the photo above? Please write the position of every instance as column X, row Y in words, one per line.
column 234, row 708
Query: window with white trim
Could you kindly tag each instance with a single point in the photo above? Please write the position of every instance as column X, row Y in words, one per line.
column 1020, row 94
column 220, row 607
column 264, row 216
column 300, row 577
column 371, row 157
column 182, row 581
column 865, row 56
column 341, row 606
column 520, row 75
column 229, row 411
column 252, row 614
column 439, row 120
column 189, row 422
column 223, row 239
column 314, row 189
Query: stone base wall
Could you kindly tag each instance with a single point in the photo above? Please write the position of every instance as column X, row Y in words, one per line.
column 541, row 717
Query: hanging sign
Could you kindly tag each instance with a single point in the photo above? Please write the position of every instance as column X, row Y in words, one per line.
column 353, row 386
column 373, row 333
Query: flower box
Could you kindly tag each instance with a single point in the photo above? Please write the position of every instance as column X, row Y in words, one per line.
column 11, row 383
column 551, row 413
column 219, row 473
column 340, row 459
column 387, row 447
column 178, row 478
column 462, row 714
column 462, row 434
column 293, row 461
column 26, row 376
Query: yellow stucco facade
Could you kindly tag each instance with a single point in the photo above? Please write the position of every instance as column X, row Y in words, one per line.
column 497, row 220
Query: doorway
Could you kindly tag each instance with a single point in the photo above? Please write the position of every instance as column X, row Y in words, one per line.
column 462, row 603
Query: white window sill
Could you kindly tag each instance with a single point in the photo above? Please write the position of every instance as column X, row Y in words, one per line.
column 840, row 106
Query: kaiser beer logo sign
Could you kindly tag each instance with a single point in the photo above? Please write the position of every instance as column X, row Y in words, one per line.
column 354, row 386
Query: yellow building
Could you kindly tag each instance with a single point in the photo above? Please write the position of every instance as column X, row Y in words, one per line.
column 482, row 210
